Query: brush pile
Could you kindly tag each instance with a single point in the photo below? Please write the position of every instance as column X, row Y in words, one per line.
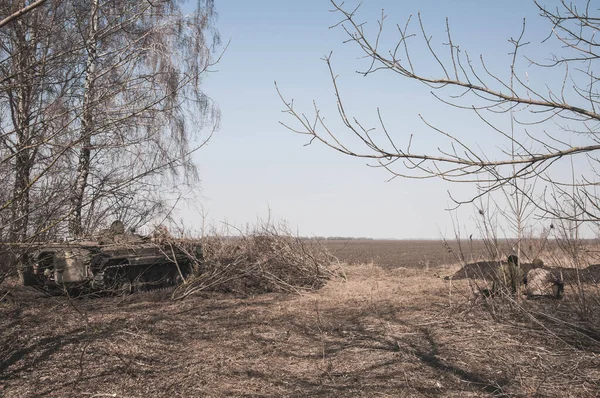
column 267, row 259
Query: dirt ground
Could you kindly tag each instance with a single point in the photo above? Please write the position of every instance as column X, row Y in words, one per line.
column 379, row 332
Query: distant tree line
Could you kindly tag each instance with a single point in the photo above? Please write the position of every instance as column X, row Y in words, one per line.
column 335, row 238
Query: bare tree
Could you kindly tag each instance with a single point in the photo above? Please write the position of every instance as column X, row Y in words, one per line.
column 33, row 81
column 144, row 63
column 557, row 120
column 105, row 108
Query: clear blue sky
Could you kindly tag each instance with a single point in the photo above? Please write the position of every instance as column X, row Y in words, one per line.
column 254, row 164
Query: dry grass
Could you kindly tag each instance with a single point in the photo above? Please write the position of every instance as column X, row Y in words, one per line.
column 382, row 332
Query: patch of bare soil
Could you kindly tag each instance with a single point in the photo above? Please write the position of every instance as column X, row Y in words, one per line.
column 400, row 333
column 422, row 254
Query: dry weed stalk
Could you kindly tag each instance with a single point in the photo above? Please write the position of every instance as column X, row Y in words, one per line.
column 268, row 258
column 9, row 256
column 557, row 248
column 5, row 266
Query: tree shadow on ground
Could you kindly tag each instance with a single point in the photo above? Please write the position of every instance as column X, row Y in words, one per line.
column 394, row 363
column 227, row 346
column 38, row 351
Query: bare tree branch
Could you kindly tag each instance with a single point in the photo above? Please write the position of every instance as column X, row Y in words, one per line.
column 564, row 112
column 21, row 12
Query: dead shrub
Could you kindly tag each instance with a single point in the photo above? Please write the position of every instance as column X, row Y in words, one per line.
column 8, row 260
column 268, row 258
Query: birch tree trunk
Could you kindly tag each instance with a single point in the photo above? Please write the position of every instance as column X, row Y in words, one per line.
column 20, row 101
column 83, row 168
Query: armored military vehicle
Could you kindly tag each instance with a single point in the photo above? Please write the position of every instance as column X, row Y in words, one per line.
column 112, row 262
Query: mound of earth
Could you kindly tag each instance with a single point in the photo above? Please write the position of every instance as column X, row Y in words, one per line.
column 590, row 274
column 478, row 270
column 487, row 270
